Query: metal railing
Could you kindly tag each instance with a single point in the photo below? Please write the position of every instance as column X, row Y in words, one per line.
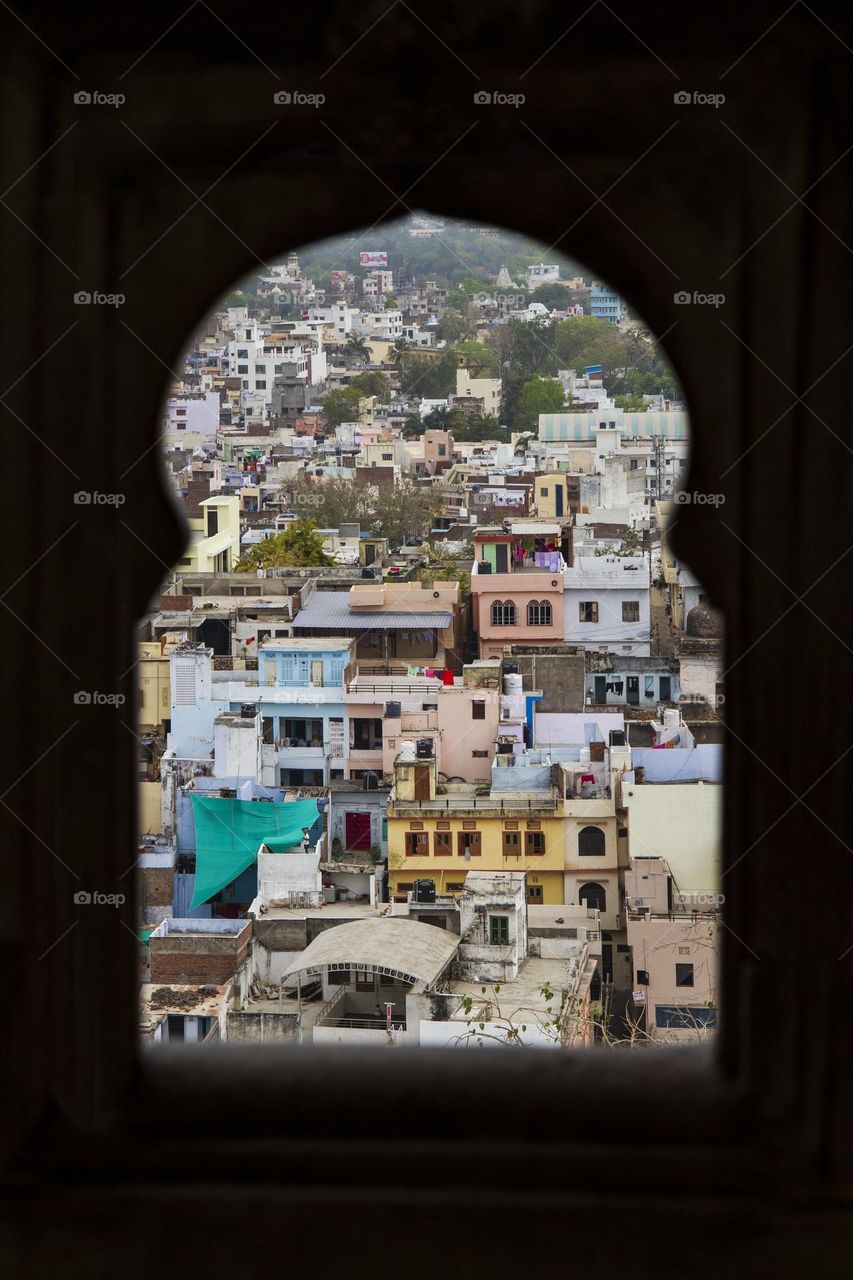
column 547, row 804
column 364, row 1024
column 330, row 1003
column 430, row 684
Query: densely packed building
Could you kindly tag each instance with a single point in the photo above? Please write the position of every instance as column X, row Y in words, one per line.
column 429, row 716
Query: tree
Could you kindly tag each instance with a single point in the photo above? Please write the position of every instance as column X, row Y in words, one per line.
column 630, row 403
column 538, row 395
column 566, row 1020
column 554, row 295
column 457, row 322
column 340, row 405
column 399, row 349
column 442, row 566
column 335, row 501
column 372, row 383
column 402, row 511
column 429, row 378
column 467, row 428
column 356, row 351
column 480, row 359
column 299, row 545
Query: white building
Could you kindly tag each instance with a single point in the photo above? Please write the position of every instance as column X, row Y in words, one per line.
column 257, row 360
column 606, row 604
column 386, row 325
column 193, row 413
column 542, row 273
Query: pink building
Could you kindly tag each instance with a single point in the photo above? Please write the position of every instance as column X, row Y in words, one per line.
column 465, row 722
column 517, row 583
column 674, row 941
column 438, row 451
column 461, row 724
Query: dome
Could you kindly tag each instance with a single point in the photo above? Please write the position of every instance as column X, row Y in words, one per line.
column 704, row 622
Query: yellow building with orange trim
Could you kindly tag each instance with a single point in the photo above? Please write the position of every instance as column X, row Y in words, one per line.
column 441, row 837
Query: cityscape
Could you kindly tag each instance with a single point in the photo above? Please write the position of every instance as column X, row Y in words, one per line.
column 430, row 716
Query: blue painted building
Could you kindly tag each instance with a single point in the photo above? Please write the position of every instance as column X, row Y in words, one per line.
column 284, row 727
column 605, row 304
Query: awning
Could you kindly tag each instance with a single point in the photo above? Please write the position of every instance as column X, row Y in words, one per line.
column 228, row 834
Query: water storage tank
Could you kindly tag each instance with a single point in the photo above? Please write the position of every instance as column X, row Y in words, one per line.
column 424, row 749
column 406, row 754
column 513, row 683
column 393, row 710
column 671, row 718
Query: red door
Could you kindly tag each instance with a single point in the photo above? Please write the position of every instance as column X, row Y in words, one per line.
column 357, row 830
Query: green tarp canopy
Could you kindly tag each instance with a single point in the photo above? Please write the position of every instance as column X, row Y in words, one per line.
column 228, row 834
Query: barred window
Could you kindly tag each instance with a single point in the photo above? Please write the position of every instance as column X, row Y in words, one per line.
column 539, row 613
column 503, row 613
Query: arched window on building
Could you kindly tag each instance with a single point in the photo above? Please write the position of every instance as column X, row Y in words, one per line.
column 590, row 842
column 593, row 895
column 503, row 613
column 539, row 613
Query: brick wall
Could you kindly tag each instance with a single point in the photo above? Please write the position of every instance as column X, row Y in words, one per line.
column 157, row 886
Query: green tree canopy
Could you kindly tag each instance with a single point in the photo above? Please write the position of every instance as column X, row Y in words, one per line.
column 402, row 511
column 372, row 383
column 340, row 405
column 431, row 379
column 301, row 544
column 554, row 295
column 538, row 395
column 480, row 359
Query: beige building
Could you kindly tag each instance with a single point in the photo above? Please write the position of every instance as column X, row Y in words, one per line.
column 673, row 902
column 674, row 941
column 486, row 389
column 214, row 538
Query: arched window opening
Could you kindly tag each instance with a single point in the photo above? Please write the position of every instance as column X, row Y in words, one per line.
column 539, row 613
column 591, row 842
column 371, row 441
column 593, row 895
column 503, row 613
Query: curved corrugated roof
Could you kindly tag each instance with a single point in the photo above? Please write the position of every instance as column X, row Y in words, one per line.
column 420, row 950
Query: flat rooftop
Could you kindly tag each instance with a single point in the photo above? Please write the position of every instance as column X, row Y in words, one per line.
column 339, row 911
column 520, row 998
column 323, row 644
